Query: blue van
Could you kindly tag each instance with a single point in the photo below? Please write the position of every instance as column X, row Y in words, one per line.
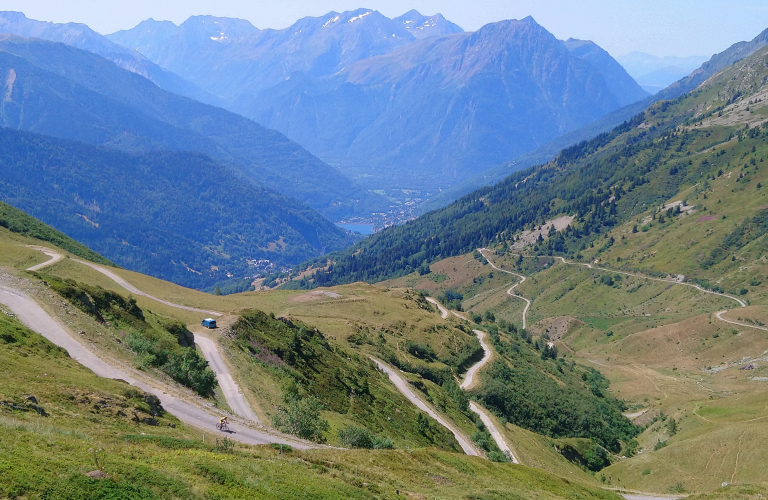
column 209, row 323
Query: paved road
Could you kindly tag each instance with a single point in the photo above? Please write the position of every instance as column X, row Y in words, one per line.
column 646, row 497
column 443, row 310
column 469, row 378
column 406, row 391
column 512, row 288
column 469, row 381
column 54, row 257
column 123, row 283
column 672, row 282
column 495, row 434
column 34, row 317
column 235, row 399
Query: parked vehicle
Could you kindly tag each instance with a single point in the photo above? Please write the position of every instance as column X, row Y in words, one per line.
column 209, row 323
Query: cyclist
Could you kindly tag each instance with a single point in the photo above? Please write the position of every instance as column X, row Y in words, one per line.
column 223, row 422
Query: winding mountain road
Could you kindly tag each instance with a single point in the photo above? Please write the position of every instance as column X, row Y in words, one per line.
column 123, row 283
column 510, row 292
column 469, row 378
column 232, row 393
column 469, row 382
column 37, row 319
column 443, row 310
column 672, row 282
column 54, row 257
column 719, row 316
column 404, row 389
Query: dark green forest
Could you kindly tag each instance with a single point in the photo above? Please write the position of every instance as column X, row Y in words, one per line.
column 176, row 216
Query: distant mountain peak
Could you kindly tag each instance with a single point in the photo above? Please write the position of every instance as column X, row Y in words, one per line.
column 219, row 29
column 421, row 26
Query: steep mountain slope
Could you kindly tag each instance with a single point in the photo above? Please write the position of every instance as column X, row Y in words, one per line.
column 462, row 103
column 82, row 37
column 65, row 92
column 601, row 183
column 178, row 216
column 717, row 63
column 421, row 26
column 360, row 91
column 618, row 80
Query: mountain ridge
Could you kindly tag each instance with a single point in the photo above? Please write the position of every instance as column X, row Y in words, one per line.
column 304, row 79
column 135, row 115
column 80, row 36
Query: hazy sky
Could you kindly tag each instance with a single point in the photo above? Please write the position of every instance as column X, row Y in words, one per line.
column 660, row 27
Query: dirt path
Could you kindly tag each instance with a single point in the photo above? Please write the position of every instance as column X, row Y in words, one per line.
column 720, row 317
column 510, row 292
column 34, row 317
column 443, row 310
column 234, row 397
column 404, row 389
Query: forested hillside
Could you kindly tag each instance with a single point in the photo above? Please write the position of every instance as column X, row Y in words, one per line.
column 602, row 182
column 177, row 216
column 57, row 90
column 19, row 222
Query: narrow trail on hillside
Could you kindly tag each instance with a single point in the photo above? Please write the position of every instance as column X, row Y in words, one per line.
column 36, row 318
column 510, row 292
column 208, row 346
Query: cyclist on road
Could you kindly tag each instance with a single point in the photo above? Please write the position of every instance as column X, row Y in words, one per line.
column 223, row 422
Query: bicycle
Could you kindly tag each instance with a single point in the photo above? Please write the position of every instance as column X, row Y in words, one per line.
column 223, row 426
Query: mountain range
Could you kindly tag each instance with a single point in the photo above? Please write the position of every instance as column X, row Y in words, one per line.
column 601, row 183
column 65, row 92
column 82, row 37
column 381, row 98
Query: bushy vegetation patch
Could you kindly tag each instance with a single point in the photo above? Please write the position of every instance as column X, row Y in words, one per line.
column 166, row 345
column 532, row 388
column 320, row 377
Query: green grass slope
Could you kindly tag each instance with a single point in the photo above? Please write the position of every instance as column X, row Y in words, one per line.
column 58, row 422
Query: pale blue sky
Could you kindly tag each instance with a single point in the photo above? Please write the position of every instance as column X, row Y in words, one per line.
column 660, row 27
